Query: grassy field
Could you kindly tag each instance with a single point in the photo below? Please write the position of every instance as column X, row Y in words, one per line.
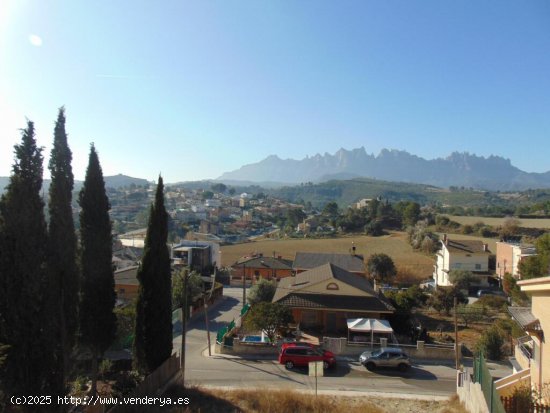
column 542, row 223
column 420, row 266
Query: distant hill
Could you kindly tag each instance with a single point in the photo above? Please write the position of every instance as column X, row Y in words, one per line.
column 115, row 181
column 118, row 181
column 458, row 169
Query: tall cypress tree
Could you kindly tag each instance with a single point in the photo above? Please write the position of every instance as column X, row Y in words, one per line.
column 97, row 319
column 22, row 272
column 62, row 268
column 153, row 334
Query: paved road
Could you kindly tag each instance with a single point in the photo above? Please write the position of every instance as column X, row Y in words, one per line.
column 350, row 376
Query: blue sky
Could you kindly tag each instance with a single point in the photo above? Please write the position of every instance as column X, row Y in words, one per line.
column 192, row 89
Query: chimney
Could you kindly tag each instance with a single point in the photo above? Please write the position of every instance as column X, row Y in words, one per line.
column 445, row 239
column 353, row 248
column 485, row 248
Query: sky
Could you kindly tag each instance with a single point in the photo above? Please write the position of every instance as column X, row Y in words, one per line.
column 192, row 89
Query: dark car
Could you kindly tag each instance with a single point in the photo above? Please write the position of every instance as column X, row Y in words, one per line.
column 300, row 354
column 385, row 357
column 499, row 293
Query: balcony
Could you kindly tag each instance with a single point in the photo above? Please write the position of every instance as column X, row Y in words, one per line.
column 524, row 351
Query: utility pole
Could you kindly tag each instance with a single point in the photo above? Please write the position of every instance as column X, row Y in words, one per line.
column 244, row 285
column 456, row 335
column 206, row 299
column 183, row 328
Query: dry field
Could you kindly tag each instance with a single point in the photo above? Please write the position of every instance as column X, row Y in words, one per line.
column 285, row 401
column 541, row 223
column 417, row 265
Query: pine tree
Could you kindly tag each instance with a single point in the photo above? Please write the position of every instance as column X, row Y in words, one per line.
column 22, row 273
column 97, row 319
column 62, row 268
column 153, row 335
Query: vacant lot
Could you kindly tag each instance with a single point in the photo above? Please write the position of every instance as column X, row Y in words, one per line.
column 418, row 265
column 495, row 222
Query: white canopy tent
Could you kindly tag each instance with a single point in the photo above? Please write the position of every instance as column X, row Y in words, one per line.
column 369, row 325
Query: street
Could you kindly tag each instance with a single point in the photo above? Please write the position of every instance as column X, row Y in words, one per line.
column 348, row 376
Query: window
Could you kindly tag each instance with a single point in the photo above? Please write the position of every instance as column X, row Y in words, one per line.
column 478, row 266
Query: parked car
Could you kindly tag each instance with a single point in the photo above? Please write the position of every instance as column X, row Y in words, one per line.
column 481, row 293
column 300, row 354
column 385, row 357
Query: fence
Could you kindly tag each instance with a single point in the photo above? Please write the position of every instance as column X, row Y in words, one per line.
column 484, row 378
column 152, row 383
column 523, row 405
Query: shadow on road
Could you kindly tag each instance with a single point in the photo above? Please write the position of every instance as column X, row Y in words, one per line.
column 281, row 376
column 340, row 370
column 415, row 372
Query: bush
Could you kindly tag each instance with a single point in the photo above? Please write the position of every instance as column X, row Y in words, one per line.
column 494, row 302
column 262, row 291
column 490, row 343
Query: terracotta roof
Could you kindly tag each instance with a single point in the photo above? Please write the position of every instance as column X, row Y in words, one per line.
column 308, row 260
column 300, row 287
column 336, row 302
column 466, row 246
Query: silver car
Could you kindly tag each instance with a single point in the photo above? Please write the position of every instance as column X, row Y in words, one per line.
column 385, row 357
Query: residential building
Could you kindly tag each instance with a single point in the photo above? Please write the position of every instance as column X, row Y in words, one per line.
column 197, row 255
column 323, row 298
column 509, row 253
column 352, row 262
column 532, row 352
column 126, row 283
column 469, row 255
column 260, row 266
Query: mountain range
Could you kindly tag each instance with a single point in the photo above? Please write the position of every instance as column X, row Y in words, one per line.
column 458, row 169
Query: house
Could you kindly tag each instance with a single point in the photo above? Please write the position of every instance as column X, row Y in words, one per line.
column 510, row 252
column 469, row 255
column 197, row 255
column 531, row 352
column 352, row 262
column 323, row 298
column 260, row 266
column 126, row 283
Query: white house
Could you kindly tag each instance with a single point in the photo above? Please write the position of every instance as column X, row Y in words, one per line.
column 469, row 255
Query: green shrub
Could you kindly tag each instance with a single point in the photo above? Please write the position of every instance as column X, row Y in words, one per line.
column 490, row 343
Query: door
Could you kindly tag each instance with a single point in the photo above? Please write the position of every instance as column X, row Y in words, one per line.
column 331, row 322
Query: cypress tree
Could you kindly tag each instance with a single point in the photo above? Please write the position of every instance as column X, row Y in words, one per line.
column 62, row 268
column 22, row 272
column 97, row 319
column 153, row 334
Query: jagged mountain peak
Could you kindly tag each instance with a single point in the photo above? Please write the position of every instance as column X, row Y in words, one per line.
column 457, row 169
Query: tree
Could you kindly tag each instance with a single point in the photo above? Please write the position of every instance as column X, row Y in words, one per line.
column 61, row 250
column 331, row 209
column 461, row 278
column 195, row 287
column 97, row 319
column 262, row 291
column 537, row 265
column 269, row 318
column 443, row 299
column 219, row 187
column 411, row 213
column 490, row 343
column 470, row 313
column 22, row 274
column 153, row 336
column 509, row 227
column 381, row 267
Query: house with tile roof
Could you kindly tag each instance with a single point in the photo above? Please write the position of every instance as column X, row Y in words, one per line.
column 460, row 254
column 323, row 298
column 353, row 263
column 260, row 266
